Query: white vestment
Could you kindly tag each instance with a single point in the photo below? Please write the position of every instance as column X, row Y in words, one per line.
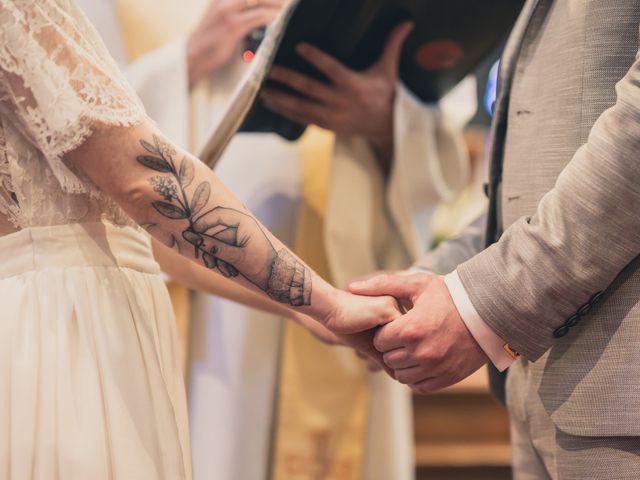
column 235, row 350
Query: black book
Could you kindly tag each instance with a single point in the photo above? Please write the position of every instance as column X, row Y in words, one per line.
column 450, row 39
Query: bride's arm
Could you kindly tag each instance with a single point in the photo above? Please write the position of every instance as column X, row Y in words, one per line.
column 200, row 278
column 60, row 88
column 181, row 202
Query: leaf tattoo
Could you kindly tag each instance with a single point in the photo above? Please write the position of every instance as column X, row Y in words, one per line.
column 169, row 210
column 154, row 163
column 200, row 198
column 149, row 148
column 219, row 235
column 186, row 172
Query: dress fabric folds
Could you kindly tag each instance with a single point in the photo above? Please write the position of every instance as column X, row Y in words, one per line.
column 90, row 379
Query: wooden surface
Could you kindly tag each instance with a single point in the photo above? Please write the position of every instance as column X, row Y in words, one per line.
column 468, row 473
column 462, row 431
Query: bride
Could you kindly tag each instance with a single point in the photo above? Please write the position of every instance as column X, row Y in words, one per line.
column 90, row 383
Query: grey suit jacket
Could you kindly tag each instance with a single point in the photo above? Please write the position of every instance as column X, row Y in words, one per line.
column 564, row 216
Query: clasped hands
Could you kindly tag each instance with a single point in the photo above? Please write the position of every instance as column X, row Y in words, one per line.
column 422, row 342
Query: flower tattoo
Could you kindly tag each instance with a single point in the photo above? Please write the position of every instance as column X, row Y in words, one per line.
column 165, row 187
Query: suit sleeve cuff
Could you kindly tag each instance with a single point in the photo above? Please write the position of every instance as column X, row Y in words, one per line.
column 492, row 345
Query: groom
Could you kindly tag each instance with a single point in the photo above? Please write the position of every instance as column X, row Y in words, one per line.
column 555, row 293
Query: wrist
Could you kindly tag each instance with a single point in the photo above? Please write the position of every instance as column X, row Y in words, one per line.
column 289, row 280
column 324, row 301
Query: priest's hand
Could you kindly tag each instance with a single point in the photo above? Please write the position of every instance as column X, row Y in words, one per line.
column 430, row 347
column 350, row 102
column 221, row 30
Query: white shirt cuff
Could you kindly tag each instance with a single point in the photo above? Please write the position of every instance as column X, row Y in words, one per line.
column 488, row 340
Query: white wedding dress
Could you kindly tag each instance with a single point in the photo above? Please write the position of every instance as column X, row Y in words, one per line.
column 90, row 380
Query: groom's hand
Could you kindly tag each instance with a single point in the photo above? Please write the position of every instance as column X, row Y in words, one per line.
column 430, row 347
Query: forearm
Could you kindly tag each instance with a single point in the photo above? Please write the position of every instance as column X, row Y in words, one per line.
column 184, row 205
column 204, row 280
column 197, row 277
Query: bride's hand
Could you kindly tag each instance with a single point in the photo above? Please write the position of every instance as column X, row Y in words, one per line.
column 352, row 314
column 362, row 343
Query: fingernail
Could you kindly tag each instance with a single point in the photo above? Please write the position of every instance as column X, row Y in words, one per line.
column 357, row 285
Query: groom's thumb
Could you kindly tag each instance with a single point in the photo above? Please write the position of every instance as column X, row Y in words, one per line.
column 386, row 284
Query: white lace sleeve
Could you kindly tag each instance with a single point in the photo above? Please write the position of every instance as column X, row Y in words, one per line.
column 58, row 83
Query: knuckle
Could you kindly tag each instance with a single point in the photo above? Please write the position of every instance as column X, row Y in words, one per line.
column 379, row 343
column 394, row 356
column 437, row 354
column 391, row 308
column 427, row 356
column 413, row 333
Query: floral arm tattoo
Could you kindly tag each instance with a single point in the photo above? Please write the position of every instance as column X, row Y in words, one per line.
column 225, row 239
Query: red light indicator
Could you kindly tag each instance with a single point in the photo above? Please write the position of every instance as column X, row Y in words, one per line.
column 248, row 55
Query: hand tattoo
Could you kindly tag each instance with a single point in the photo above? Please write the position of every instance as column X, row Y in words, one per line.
column 224, row 239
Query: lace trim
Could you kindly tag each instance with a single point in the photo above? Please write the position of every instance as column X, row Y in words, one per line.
column 60, row 80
